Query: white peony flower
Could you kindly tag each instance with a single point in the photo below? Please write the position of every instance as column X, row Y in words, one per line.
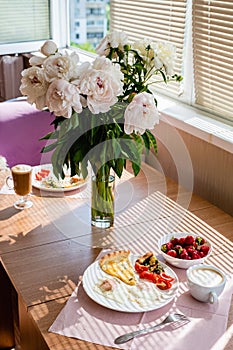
column 81, row 73
column 141, row 114
column 165, row 54
column 101, row 83
column 142, row 47
column 34, row 85
column 145, row 48
column 106, row 65
column 48, row 48
column 61, row 67
column 115, row 40
column 100, row 90
column 102, row 63
column 36, row 60
column 118, row 39
column 103, row 48
column 62, row 97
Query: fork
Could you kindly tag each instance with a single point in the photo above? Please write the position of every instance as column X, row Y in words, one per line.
column 170, row 318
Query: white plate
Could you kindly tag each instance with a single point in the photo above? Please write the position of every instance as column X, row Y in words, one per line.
column 93, row 274
column 46, row 187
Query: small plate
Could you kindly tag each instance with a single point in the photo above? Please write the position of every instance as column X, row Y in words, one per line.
column 51, row 184
column 93, row 274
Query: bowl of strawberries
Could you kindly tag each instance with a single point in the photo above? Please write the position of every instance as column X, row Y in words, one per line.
column 184, row 249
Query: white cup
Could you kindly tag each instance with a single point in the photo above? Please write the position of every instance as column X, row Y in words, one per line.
column 205, row 282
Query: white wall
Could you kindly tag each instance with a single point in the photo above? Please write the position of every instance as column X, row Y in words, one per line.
column 210, row 171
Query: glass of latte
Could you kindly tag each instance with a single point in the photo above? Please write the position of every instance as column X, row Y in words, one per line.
column 21, row 175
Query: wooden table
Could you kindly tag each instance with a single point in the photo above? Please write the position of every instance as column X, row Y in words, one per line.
column 46, row 248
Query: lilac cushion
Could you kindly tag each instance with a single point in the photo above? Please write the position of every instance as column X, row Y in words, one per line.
column 21, row 127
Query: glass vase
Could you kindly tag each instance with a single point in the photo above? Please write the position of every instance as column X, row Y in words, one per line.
column 102, row 201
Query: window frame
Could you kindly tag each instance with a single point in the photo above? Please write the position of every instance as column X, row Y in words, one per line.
column 59, row 27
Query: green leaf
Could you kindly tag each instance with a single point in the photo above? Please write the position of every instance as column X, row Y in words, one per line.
column 74, row 120
column 119, row 166
column 164, row 76
column 116, row 147
column 153, row 142
column 146, row 140
column 50, row 136
column 130, row 148
column 49, row 148
column 136, row 168
column 84, row 169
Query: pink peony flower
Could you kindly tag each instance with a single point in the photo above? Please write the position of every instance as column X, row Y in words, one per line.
column 62, row 97
column 34, row 85
column 48, row 48
column 61, row 67
column 101, row 84
column 141, row 114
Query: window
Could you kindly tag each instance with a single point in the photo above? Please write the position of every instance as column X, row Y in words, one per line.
column 15, row 28
column 90, row 23
column 94, row 35
column 26, row 24
column 213, row 55
column 202, row 31
column 100, row 22
column 95, row 11
column 159, row 20
column 95, row 23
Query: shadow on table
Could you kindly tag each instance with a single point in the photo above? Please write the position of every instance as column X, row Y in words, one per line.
column 8, row 213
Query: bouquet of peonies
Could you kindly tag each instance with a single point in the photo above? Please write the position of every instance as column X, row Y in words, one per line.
column 103, row 110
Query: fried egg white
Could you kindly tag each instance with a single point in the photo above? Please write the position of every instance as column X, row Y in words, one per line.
column 142, row 294
column 117, row 292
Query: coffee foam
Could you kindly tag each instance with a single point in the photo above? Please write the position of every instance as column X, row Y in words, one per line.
column 206, row 277
column 21, row 168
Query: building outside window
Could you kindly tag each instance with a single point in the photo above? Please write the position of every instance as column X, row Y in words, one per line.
column 93, row 22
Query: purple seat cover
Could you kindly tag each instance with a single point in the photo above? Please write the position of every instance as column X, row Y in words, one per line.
column 21, row 127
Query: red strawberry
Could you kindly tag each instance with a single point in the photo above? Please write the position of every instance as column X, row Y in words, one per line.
column 184, row 255
column 172, row 253
column 189, row 247
column 189, row 250
column 167, row 246
column 204, row 249
column 174, row 241
column 199, row 240
column 195, row 255
column 189, row 240
column 181, row 241
column 178, row 248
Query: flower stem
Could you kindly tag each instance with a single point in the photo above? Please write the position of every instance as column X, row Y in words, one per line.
column 102, row 201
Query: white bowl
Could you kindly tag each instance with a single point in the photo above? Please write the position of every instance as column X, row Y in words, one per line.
column 181, row 263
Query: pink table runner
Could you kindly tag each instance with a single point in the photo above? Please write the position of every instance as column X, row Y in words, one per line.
column 84, row 319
